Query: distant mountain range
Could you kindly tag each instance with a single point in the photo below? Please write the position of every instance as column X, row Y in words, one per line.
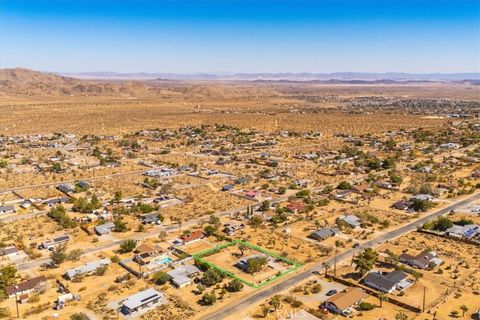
column 342, row 76
column 20, row 81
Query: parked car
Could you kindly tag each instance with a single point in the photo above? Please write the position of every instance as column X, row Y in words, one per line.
column 331, row 292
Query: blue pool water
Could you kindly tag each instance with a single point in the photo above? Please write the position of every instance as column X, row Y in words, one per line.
column 164, row 261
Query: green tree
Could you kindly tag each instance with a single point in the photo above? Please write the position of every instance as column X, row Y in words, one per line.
column 256, row 221
column 275, row 302
column 303, row 193
column 127, row 246
column 161, row 278
column 442, row 224
column 8, row 277
column 326, row 265
column 117, row 196
column 120, row 226
column 421, row 205
column 382, row 297
column 256, row 264
column 78, row 316
column 234, row 285
column 464, row 309
column 59, row 254
column 365, row 261
column 212, row 277
column 209, row 299
column 74, row 255
column 344, row 186
column 101, row 271
column 265, row 205
column 401, row 316
column 265, row 310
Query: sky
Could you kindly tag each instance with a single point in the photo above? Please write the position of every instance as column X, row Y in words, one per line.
column 194, row 36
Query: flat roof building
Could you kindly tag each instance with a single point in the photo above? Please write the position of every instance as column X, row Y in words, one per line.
column 142, row 300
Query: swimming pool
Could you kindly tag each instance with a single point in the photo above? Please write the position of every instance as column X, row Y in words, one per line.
column 162, row 261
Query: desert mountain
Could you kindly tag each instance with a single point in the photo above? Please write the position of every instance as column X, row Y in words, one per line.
column 19, row 81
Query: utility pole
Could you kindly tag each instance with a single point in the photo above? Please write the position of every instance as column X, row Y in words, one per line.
column 16, row 304
column 335, row 264
column 424, row 289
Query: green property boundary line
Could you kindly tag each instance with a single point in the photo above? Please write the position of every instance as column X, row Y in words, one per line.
column 200, row 256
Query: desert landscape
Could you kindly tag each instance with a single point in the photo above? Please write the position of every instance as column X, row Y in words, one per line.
column 239, row 160
column 210, row 194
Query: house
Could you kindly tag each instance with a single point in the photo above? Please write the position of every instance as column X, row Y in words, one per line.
column 352, row 220
column 143, row 300
column 54, row 201
column 468, row 231
column 181, row 276
column 161, row 172
column 50, row 244
column 151, row 218
column 32, row 285
column 232, row 227
column 324, row 233
column 361, row 188
column 450, row 145
column 243, row 180
column 194, row 236
column 145, row 248
column 242, row 264
column 296, row 206
column 8, row 251
column 388, row 282
column 402, row 205
column 252, row 194
column 384, row 185
column 301, row 183
column 422, row 261
column 227, row 187
column 66, row 188
column 87, row 268
column 7, row 209
column 344, row 302
column 25, row 204
column 83, row 184
column 144, row 254
column 422, row 197
column 105, row 228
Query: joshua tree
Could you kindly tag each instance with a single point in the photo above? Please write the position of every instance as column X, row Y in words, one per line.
column 382, row 297
column 464, row 309
column 401, row 316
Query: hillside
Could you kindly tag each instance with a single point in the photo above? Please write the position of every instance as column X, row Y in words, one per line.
column 21, row 81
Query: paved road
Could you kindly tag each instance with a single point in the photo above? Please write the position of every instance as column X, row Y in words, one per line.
column 154, row 233
column 286, row 283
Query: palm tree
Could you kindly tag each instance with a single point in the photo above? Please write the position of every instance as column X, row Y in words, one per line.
column 326, row 266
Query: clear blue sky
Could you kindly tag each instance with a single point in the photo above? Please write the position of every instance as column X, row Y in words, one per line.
column 241, row 36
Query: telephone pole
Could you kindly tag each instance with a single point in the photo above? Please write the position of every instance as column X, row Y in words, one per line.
column 16, row 304
column 335, row 264
column 423, row 308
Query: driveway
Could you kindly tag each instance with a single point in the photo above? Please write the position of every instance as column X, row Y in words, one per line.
column 318, row 298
